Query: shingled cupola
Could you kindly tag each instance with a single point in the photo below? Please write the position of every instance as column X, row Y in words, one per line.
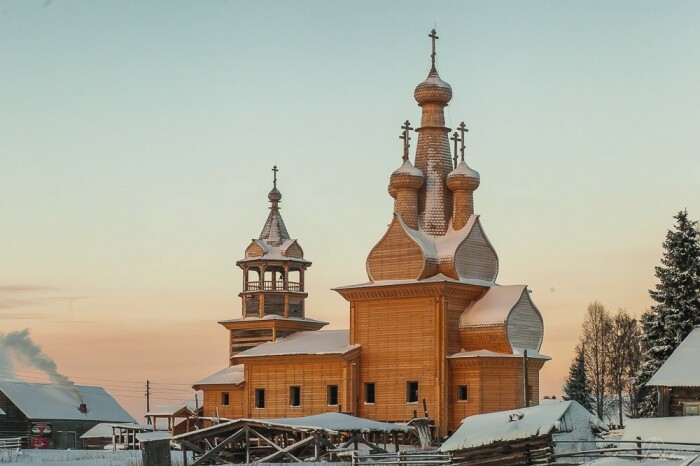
column 405, row 183
column 462, row 181
column 273, row 284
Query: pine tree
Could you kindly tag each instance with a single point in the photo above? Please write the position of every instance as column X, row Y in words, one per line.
column 677, row 310
column 576, row 387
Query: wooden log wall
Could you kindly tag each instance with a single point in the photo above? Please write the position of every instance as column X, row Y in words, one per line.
column 212, row 401
column 313, row 373
column 681, row 395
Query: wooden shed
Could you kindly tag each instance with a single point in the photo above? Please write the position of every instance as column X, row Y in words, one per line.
column 678, row 379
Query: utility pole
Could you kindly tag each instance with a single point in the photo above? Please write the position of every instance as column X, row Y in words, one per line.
column 148, row 399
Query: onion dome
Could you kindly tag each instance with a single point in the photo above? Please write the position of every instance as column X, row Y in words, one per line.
column 275, row 195
column 406, row 176
column 433, row 90
column 463, row 178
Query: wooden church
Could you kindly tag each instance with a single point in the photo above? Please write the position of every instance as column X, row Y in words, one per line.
column 430, row 330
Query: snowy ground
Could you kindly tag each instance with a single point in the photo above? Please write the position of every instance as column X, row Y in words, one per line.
column 77, row 458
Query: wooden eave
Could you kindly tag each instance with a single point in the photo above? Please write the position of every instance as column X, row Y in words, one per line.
column 302, row 294
column 283, row 324
column 507, row 361
column 219, row 386
column 409, row 290
column 286, row 358
column 281, row 261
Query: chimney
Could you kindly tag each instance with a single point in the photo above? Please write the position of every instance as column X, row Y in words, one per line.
column 82, row 408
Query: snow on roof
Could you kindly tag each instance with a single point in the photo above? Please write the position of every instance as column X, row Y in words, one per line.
column 485, row 429
column 680, row 369
column 664, row 429
column 2, row 412
column 341, row 423
column 50, row 401
column 274, row 317
column 185, row 407
column 230, row 375
column 309, row 342
column 152, row 436
column 434, row 279
column 494, row 307
column 105, row 429
column 517, row 353
column 672, row 460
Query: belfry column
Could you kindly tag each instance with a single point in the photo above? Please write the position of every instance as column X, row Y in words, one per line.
column 433, row 151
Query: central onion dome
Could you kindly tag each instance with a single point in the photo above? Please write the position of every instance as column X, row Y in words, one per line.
column 275, row 195
column 463, row 178
column 406, row 176
column 433, row 90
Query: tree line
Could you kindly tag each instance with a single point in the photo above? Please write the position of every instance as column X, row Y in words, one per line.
column 617, row 354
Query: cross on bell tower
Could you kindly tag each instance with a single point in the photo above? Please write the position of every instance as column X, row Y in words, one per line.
column 433, row 35
column 274, row 176
column 455, row 137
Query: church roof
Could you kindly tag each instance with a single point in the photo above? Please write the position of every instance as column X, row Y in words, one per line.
column 309, row 342
column 680, row 369
column 232, row 375
column 274, row 232
column 274, row 317
column 517, row 353
column 494, row 307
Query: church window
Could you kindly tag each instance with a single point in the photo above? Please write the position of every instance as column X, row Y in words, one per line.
column 332, row 395
column 411, row 392
column 224, row 399
column 295, row 396
column 463, row 393
column 369, row 393
column 260, row 398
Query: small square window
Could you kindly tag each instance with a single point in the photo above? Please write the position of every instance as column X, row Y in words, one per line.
column 369, row 393
column 260, row 398
column 463, row 394
column 224, row 399
column 411, row 392
column 691, row 409
column 332, row 395
column 295, row 396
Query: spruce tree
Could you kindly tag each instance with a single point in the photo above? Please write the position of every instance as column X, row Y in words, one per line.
column 677, row 311
column 576, row 387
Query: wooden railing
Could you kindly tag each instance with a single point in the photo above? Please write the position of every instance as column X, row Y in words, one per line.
column 272, row 286
column 409, row 458
column 8, row 443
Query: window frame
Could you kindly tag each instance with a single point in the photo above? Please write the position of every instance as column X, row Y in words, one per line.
column 328, row 395
column 225, row 399
column 259, row 398
column 295, row 395
column 462, row 389
column 367, row 392
column 410, row 392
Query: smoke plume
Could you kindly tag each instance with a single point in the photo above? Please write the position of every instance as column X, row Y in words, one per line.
column 29, row 353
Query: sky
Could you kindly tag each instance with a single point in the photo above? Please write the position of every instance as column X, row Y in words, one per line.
column 137, row 138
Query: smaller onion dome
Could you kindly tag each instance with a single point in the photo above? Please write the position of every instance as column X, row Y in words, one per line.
column 274, row 195
column 463, row 178
column 406, row 176
column 433, row 89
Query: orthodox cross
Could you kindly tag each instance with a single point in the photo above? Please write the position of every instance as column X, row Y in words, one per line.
column 406, row 138
column 456, row 139
column 274, row 176
column 433, row 35
column 462, row 129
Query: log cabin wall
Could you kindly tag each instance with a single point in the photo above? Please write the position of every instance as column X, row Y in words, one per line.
column 463, row 372
column 312, row 373
column 680, row 396
column 213, row 401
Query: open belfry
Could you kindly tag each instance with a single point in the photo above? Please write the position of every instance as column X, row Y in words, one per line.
column 431, row 332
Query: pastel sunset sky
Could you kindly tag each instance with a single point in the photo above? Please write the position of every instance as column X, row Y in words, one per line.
column 137, row 138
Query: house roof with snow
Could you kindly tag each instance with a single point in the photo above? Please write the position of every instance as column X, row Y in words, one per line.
column 51, row 401
column 310, row 342
column 680, row 369
column 663, row 429
column 106, row 429
column 232, row 375
column 184, row 408
column 502, row 426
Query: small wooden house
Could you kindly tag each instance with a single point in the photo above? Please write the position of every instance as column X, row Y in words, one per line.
column 431, row 331
column 525, row 435
column 678, row 379
column 55, row 416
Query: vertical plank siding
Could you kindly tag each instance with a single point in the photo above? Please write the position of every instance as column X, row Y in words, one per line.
column 396, row 256
column 524, row 324
column 475, row 257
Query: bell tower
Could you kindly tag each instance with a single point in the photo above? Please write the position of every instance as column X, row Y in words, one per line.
column 273, row 285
